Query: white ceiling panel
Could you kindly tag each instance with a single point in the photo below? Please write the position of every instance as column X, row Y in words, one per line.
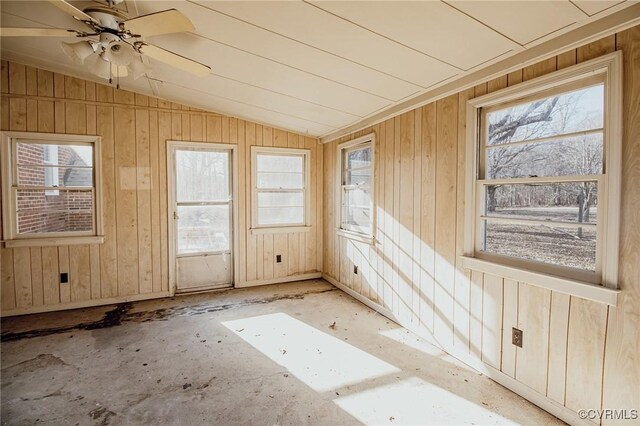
column 431, row 27
column 310, row 25
column 522, row 21
column 234, row 32
column 251, row 95
column 238, row 109
column 238, row 65
column 313, row 67
column 591, row 7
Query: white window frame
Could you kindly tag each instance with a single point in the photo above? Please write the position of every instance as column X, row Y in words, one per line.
column 342, row 149
column 11, row 237
column 601, row 286
column 305, row 154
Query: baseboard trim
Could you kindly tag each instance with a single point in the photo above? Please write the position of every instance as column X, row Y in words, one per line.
column 300, row 277
column 84, row 304
column 563, row 413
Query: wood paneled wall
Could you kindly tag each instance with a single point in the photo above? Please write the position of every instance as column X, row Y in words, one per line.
column 577, row 353
column 132, row 263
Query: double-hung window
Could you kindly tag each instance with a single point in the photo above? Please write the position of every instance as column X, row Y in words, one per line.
column 545, row 184
column 356, row 185
column 280, row 187
column 51, row 190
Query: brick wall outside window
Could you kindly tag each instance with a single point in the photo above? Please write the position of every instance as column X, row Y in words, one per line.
column 68, row 211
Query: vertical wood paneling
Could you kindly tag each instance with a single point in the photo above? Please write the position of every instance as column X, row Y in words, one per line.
column 126, row 184
column 445, row 238
column 134, row 129
column 533, row 320
column 560, row 344
column 622, row 367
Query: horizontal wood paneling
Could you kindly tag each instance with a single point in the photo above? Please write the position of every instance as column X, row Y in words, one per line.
column 577, row 353
column 134, row 128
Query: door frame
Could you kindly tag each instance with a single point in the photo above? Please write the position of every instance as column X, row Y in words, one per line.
column 171, row 177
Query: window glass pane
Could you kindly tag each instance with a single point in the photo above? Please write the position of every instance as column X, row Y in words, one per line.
column 560, row 202
column 281, row 180
column 55, row 176
column 203, row 228
column 202, row 175
column 360, row 197
column 66, row 211
column 569, row 112
column 280, row 163
column 564, row 246
column 572, row 156
column 357, row 209
column 54, row 154
column 280, row 215
column 359, row 158
column 281, row 199
column 358, row 177
column 357, row 218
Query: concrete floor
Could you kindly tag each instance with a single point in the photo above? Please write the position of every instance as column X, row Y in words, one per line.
column 299, row 353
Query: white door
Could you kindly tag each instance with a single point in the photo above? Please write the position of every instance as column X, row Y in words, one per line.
column 202, row 216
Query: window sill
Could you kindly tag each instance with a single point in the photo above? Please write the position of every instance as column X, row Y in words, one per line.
column 597, row 293
column 54, row 241
column 279, row 230
column 355, row 236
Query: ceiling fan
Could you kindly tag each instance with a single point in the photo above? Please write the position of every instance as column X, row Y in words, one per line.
column 114, row 47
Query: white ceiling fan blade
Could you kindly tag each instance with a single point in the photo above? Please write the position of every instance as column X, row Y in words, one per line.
column 175, row 60
column 73, row 11
column 37, row 32
column 165, row 22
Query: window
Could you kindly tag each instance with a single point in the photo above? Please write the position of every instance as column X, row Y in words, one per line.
column 50, row 188
column 280, row 187
column 356, row 185
column 546, row 181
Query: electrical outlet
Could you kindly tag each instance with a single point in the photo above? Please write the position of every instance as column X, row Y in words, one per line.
column 278, row 258
column 64, row 278
column 355, row 269
column 516, row 337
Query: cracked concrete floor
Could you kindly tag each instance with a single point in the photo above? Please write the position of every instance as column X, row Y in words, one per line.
column 298, row 353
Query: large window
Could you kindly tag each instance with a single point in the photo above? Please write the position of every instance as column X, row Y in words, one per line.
column 280, row 187
column 356, row 166
column 50, row 187
column 545, row 191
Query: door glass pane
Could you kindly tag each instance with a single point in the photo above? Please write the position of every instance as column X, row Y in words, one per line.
column 203, row 229
column 280, row 215
column 202, row 175
column 559, row 202
column 64, row 211
column 574, row 111
column 564, row 246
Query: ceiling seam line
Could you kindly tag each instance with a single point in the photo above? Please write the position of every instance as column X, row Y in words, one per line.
column 312, row 46
column 383, row 36
column 292, row 67
column 484, row 24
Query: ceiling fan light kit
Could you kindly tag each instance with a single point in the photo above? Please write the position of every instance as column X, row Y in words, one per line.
column 119, row 49
column 79, row 51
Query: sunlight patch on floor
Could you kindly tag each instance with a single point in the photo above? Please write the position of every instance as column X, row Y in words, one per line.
column 415, row 401
column 321, row 361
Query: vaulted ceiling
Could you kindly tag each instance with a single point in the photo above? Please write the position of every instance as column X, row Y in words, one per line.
column 315, row 66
